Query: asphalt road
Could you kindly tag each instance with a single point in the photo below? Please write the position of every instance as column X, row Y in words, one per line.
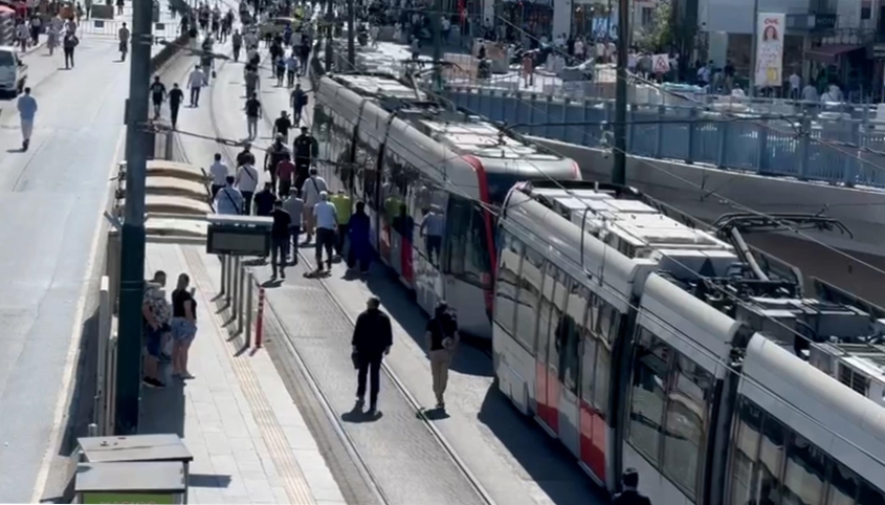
column 51, row 200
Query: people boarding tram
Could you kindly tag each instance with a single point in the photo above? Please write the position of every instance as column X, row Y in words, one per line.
column 411, row 159
column 641, row 343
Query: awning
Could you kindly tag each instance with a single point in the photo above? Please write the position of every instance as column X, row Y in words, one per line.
column 829, row 54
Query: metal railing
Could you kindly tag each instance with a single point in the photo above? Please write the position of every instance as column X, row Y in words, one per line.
column 790, row 145
column 244, row 297
column 106, row 369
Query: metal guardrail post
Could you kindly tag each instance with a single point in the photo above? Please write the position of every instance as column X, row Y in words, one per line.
column 241, row 291
column 109, row 423
column 250, row 292
column 227, row 280
column 104, row 336
column 223, row 274
column 723, row 130
column 804, row 148
column 762, row 149
column 851, row 162
column 659, row 143
column 234, row 287
column 692, row 136
column 631, row 127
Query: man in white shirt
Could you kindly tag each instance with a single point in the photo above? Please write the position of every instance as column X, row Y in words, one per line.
column 195, row 82
column 312, row 189
column 326, row 218
column 432, row 228
column 795, row 85
column 247, row 181
column 219, row 173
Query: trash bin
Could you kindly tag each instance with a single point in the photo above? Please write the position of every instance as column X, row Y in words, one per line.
column 140, row 482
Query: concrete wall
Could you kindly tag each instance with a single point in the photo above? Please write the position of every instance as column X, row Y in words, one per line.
column 705, row 193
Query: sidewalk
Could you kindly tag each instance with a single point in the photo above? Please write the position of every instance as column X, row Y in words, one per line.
column 249, row 441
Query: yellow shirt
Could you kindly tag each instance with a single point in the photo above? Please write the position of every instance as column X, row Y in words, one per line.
column 343, row 207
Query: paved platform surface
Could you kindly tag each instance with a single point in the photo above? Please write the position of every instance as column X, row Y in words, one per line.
column 396, row 454
column 249, row 440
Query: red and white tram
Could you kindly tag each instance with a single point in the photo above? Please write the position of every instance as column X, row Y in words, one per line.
column 611, row 329
column 406, row 156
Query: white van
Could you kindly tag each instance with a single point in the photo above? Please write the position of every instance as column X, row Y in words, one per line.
column 13, row 72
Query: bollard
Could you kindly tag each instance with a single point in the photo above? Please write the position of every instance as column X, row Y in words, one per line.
column 248, row 323
column 259, row 324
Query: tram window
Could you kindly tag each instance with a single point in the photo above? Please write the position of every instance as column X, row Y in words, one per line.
column 574, row 315
column 548, row 319
column 686, row 424
column 608, row 321
column 559, row 323
column 467, row 250
column 744, row 476
column 805, row 473
column 603, row 374
column 508, row 282
column 530, row 278
column 648, row 397
column 588, row 366
column 843, row 485
column 869, row 495
column 771, row 454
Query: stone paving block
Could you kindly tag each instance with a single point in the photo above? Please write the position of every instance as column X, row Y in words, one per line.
column 217, row 444
column 300, row 438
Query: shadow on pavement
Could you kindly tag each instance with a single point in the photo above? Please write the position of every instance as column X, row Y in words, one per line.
column 547, row 463
column 163, row 409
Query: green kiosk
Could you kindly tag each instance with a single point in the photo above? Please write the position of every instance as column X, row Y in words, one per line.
column 136, row 482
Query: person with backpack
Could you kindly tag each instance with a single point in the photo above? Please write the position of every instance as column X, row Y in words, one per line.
column 442, row 341
column 630, row 495
column 229, row 200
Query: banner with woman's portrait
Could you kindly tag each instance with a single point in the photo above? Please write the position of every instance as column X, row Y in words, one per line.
column 770, row 29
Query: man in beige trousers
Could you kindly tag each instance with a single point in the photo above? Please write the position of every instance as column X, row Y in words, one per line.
column 442, row 341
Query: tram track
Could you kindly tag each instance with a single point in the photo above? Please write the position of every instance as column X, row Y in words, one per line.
column 314, row 387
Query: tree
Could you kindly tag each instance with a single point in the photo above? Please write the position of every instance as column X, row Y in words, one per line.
column 658, row 37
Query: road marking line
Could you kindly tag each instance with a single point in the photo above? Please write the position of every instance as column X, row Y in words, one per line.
column 58, row 424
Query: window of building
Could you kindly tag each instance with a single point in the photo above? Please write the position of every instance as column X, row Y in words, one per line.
column 647, row 399
column 530, row 279
column 507, row 287
column 685, row 430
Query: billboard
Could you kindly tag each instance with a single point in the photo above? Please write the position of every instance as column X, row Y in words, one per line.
column 770, row 28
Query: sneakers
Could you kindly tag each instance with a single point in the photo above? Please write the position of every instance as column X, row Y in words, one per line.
column 152, row 383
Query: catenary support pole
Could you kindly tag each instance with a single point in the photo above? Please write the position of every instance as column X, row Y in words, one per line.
column 436, row 24
column 619, row 169
column 351, row 35
column 330, row 34
column 131, row 290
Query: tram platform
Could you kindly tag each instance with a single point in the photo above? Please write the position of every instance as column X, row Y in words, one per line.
column 249, row 440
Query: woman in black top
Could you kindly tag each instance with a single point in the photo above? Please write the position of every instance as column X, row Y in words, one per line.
column 184, row 326
column 442, row 340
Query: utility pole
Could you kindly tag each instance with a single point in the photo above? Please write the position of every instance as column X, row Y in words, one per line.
column 351, row 35
column 436, row 23
column 330, row 34
column 133, row 235
column 619, row 170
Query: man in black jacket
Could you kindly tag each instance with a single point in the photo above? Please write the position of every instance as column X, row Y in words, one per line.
column 306, row 149
column 372, row 339
column 630, row 495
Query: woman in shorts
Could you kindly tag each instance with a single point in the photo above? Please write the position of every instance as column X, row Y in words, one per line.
column 184, row 326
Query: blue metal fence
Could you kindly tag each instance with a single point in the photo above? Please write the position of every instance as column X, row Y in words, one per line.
column 767, row 147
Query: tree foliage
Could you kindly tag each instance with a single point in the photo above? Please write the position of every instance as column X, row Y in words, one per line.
column 658, row 37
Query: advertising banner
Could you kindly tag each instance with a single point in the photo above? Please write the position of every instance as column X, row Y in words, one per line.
column 770, row 29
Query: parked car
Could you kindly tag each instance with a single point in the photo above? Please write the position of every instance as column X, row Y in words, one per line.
column 13, row 72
